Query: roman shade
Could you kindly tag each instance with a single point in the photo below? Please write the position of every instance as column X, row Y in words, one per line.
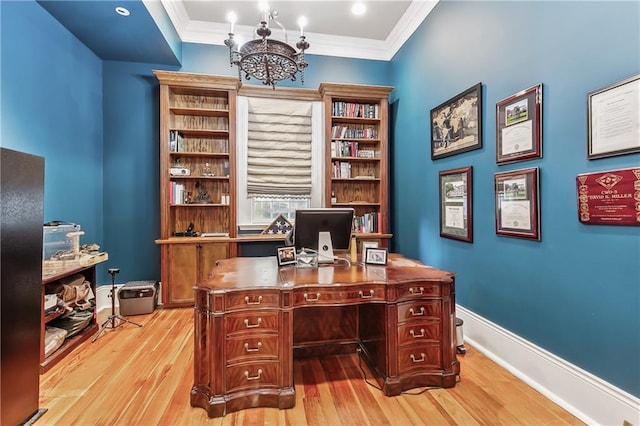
column 279, row 148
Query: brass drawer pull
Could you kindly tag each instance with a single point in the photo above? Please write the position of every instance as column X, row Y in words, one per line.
column 413, row 313
column 308, row 299
column 257, row 302
column 256, row 377
column 257, row 324
column 414, row 291
column 417, row 336
column 366, row 297
column 246, row 347
column 413, row 358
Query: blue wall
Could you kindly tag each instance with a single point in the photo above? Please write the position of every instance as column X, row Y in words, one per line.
column 576, row 293
column 52, row 106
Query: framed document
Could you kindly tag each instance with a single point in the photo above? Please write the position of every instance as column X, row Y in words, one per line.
column 519, row 126
column 456, row 212
column 613, row 119
column 517, row 203
column 456, row 125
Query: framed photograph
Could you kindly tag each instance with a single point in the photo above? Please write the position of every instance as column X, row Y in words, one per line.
column 375, row 256
column 286, row 256
column 613, row 119
column 369, row 244
column 518, row 203
column 456, row 125
column 456, row 204
column 519, row 126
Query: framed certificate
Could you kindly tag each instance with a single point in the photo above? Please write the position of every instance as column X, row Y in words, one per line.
column 519, row 126
column 517, row 203
column 456, row 212
column 613, row 119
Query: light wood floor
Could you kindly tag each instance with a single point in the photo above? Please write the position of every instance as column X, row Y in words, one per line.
column 142, row 376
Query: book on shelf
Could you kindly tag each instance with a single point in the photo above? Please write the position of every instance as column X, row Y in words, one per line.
column 367, row 223
column 341, row 169
column 354, row 110
column 176, row 141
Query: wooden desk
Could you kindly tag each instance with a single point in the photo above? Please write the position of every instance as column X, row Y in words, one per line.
column 251, row 317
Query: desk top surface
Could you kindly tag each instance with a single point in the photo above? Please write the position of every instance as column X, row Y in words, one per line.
column 263, row 272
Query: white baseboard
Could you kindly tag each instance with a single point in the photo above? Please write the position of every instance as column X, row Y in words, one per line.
column 584, row 395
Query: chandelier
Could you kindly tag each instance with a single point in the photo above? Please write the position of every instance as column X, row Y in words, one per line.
column 266, row 59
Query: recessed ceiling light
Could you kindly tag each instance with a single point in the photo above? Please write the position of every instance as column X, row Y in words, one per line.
column 122, row 11
column 358, row 8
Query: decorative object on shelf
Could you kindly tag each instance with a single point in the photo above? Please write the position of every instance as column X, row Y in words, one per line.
column 519, row 126
column 267, row 59
column 203, row 196
column 456, row 124
column 279, row 226
column 610, row 197
column 613, row 119
column 207, row 170
column 456, row 204
column 375, row 256
column 286, row 256
column 517, row 197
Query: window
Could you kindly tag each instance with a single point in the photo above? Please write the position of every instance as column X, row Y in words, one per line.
column 260, row 199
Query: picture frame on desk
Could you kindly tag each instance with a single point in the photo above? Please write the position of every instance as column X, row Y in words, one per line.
column 519, row 126
column 375, row 256
column 456, row 124
column 286, row 256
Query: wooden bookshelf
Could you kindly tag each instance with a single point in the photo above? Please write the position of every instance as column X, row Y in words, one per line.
column 356, row 154
column 197, row 141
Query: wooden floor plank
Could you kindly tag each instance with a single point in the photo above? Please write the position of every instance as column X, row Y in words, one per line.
column 143, row 376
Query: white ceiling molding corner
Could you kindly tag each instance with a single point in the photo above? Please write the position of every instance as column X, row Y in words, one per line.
column 415, row 14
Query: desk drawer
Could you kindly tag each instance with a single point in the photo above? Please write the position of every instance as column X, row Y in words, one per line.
column 417, row 357
column 413, row 290
column 311, row 296
column 257, row 321
column 252, row 375
column 419, row 310
column 252, row 299
column 413, row 332
column 252, row 347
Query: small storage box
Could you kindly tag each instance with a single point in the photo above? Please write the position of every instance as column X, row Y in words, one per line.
column 138, row 297
column 55, row 240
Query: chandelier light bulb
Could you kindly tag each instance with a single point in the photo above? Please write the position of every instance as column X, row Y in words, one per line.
column 302, row 21
column 231, row 17
column 265, row 9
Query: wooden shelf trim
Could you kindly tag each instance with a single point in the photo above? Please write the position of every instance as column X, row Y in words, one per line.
column 207, row 112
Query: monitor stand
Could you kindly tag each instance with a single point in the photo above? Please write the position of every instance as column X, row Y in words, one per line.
column 325, row 248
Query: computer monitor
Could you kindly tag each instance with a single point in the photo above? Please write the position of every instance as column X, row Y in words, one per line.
column 323, row 230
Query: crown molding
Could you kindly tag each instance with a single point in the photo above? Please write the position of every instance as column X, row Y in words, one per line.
column 194, row 31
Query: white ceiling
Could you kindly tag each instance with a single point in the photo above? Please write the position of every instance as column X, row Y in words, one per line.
column 331, row 30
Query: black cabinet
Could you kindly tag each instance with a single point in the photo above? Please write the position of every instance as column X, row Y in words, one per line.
column 22, row 201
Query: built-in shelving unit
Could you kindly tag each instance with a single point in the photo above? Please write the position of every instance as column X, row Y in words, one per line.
column 356, row 154
column 197, row 178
